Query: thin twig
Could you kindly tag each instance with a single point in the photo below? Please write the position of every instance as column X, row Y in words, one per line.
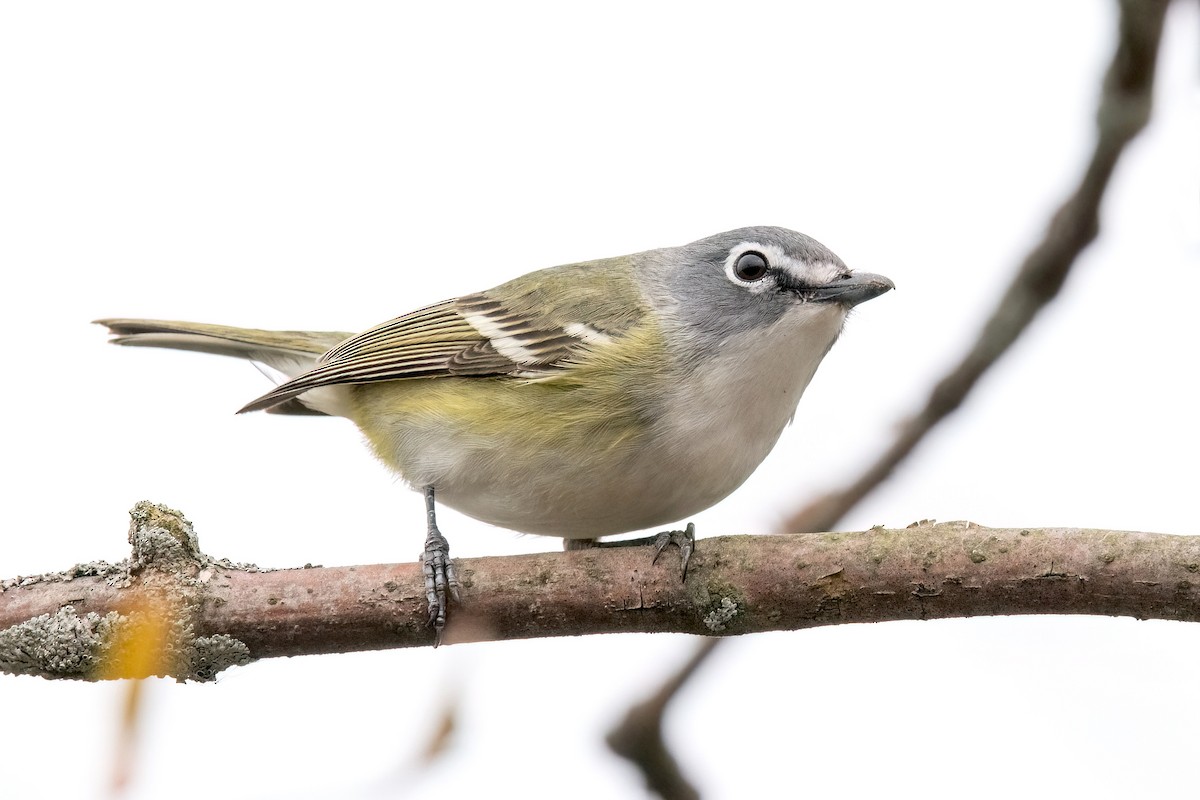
column 639, row 738
column 1124, row 111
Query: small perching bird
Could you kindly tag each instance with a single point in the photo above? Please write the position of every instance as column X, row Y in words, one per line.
column 578, row 401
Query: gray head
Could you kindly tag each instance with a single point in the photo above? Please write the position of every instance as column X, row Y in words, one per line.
column 750, row 278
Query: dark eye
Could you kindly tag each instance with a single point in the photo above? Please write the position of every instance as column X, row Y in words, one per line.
column 751, row 266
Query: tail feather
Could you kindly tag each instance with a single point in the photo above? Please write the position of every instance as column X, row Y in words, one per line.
column 287, row 352
column 218, row 339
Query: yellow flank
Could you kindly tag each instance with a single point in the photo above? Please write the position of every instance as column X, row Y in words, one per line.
column 595, row 404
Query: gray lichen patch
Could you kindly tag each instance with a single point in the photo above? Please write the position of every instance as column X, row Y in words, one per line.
column 163, row 539
column 246, row 566
column 92, row 646
column 151, row 630
column 114, row 575
column 719, row 617
column 65, row 644
column 212, row 654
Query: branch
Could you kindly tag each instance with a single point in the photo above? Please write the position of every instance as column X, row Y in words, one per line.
column 639, row 736
column 1124, row 110
column 211, row 614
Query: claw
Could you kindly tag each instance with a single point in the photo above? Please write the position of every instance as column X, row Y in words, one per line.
column 685, row 540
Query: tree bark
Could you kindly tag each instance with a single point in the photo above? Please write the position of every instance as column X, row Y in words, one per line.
column 216, row 613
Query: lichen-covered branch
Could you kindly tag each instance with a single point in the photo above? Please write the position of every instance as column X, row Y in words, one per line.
column 210, row 614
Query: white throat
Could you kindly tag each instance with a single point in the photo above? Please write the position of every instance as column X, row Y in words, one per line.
column 723, row 419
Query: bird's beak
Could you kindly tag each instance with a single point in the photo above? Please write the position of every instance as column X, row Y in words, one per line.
column 852, row 290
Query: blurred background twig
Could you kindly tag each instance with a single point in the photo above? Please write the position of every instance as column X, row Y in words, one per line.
column 1125, row 103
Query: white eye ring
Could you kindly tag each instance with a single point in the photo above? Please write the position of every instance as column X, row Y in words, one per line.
column 751, row 266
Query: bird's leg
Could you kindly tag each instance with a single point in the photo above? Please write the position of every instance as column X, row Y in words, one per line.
column 685, row 540
column 439, row 571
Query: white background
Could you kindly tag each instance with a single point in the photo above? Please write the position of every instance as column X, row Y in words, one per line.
column 329, row 166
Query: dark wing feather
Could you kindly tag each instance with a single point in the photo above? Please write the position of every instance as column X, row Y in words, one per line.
column 415, row 345
column 474, row 336
column 546, row 324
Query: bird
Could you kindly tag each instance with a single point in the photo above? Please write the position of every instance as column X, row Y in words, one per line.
column 578, row 401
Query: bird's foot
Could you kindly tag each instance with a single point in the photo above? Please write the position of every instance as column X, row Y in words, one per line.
column 685, row 540
column 441, row 581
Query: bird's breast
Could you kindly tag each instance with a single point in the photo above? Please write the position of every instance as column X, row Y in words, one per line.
column 606, row 457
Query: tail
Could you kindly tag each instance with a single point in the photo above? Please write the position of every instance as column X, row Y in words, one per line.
column 287, row 352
